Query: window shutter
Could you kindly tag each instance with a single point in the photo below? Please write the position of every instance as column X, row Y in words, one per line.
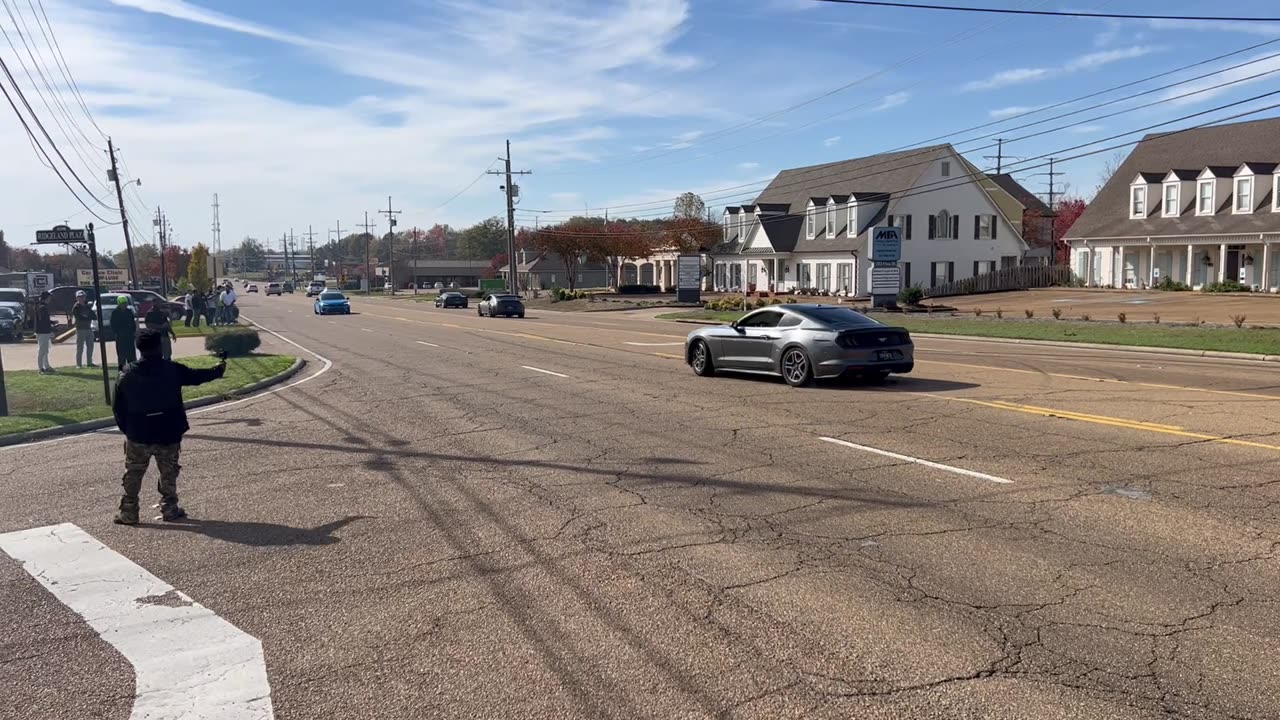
column 889, row 221
column 977, row 222
column 955, row 227
column 908, row 230
column 975, row 268
column 933, row 227
column 933, row 274
column 993, row 227
column 951, row 266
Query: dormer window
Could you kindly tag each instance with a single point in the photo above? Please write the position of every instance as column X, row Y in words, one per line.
column 811, row 222
column 1172, row 200
column 1204, row 197
column 831, row 218
column 1275, row 193
column 851, row 229
column 1244, row 196
column 727, row 226
column 1138, row 202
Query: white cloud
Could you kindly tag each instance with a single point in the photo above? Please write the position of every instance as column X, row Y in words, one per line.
column 1089, row 61
column 1008, row 112
column 1210, row 85
column 1264, row 29
column 1005, row 78
column 748, row 165
column 191, row 120
column 892, row 101
column 831, row 141
column 1098, row 59
column 1086, row 129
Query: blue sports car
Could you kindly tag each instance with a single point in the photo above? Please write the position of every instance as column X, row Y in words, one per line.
column 332, row 302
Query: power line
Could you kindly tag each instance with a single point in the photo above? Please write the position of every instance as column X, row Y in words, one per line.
column 1050, row 13
column 896, row 161
column 470, row 185
column 66, row 69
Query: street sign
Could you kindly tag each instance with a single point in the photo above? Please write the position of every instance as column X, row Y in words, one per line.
column 886, row 244
column 106, row 276
column 886, row 280
column 60, row 234
column 689, row 278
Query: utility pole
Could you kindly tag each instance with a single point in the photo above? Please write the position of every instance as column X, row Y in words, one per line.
column 513, row 193
column 998, row 157
column 114, row 175
column 391, row 251
column 368, row 235
column 310, row 235
column 163, row 223
column 337, row 235
column 291, row 264
column 217, row 238
column 1053, row 212
column 413, row 259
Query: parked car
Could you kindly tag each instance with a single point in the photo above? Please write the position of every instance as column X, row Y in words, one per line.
column 15, row 301
column 253, row 288
column 315, row 288
column 451, row 299
column 800, row 343
column 111, row 301
column 438, row 286
column 287, row 287
column 273, row 289
column 332, row 302
column 146, row 299
column 10, row 324
column 501, row 304
column 63, row 297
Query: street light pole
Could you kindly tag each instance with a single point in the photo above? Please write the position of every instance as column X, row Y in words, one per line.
column 114, row 175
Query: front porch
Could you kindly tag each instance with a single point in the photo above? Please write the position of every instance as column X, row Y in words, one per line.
column 781, row 273
column 1143, row 264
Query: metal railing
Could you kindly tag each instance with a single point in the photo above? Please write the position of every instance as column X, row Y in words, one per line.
column 1023, row 277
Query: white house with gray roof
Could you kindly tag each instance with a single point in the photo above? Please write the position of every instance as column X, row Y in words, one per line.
column 810, row 226
column 1197, row 206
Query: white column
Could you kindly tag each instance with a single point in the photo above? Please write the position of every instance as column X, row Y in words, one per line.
column 1190, row 263
column 1222, row 262
column 1265, row 282
column 1151, row 268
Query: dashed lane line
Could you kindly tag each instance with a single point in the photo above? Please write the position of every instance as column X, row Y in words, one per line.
column 424, row 342
column 918, row 461
column 187, row 661
column 545, row 372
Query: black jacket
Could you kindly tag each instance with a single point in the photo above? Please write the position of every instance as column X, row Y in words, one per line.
column 148, row 404
column 44, row 324
column 83, row 315
column 124, row 323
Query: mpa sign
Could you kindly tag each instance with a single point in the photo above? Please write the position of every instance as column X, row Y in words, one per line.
column 886, row 244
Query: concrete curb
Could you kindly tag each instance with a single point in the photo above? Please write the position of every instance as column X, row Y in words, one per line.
column 1145, row 349
column 92, row 425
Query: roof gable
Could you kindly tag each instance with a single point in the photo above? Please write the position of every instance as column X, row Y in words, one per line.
column 1255, row 168
column 1180, row 175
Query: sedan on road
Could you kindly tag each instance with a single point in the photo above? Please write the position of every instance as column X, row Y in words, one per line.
column 253, row 288
column 504, row 305
column 332, row 302
column 274, row 289
column 801, row 343
column 451, row 299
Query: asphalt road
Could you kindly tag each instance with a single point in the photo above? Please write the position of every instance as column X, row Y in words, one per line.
column 463, row 517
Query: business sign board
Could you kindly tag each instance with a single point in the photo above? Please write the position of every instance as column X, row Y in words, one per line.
column 886, row 244
column 689, row 278
column 60, row 234
column 886, row 280
column 39, row 282
column 109, row 277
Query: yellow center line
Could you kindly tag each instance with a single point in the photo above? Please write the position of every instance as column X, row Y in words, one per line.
column 1104, row 420
column 1234, row 393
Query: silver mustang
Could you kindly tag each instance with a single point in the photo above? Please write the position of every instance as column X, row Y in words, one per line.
column 800, row 343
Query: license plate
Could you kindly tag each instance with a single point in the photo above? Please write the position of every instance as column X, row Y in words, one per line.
column 888, row 354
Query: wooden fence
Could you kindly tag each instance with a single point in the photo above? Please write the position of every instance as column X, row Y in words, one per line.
column 1023, row 277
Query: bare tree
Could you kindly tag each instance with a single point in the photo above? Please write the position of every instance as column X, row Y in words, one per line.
column 689, row 207
column 1109, row 168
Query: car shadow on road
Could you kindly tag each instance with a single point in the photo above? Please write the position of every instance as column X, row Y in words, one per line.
column 901, row 383
column 258, row 534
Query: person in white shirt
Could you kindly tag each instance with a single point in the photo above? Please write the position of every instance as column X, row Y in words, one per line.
column 229, row 306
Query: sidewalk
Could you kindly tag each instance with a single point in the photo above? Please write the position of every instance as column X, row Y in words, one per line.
column 23, row 356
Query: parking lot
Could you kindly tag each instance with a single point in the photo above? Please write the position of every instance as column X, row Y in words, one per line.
column 1139, row 306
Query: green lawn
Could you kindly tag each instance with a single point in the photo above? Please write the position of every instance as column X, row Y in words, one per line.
column 1264, row 341
column 75, row 395
column 183, row 331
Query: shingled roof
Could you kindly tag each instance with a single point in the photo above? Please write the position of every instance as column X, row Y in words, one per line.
column 1218, row 147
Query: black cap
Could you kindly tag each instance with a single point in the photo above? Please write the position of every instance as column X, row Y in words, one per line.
column 149, row 341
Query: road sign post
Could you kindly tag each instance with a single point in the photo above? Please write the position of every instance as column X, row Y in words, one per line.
column 689, row 278
column 64, row 235
column 886, row 276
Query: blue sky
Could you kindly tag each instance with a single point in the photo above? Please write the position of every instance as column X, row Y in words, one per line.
column 313, row 111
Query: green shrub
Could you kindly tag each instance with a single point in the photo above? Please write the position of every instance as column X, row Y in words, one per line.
column 1168, row 283
column 911, row 296
column 235, row 342
column 638, row 289
column 1225, row 286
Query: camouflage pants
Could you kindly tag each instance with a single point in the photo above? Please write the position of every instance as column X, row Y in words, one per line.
column 137, row 457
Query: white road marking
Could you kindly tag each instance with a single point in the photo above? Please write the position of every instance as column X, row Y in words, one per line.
column 667, row 344
column 918, row 461
column 548, row 372
column 423, row 342
column 366, row 329
column 187, row 661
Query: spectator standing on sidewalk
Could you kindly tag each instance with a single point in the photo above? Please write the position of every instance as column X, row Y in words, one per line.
column 229, row 305
column 211, row 306
column 197, row 307
column 186, row 308
column 82, row 316
column 158, row 320
column 148, row 409
column 124, row 325
column 44, row 334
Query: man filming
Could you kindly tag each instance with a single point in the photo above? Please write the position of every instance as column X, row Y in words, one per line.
column 149, row 411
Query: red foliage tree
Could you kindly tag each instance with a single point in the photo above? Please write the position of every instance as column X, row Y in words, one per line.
column 1069, row 211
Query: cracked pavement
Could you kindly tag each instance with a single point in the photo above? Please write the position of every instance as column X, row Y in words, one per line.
column 436, row 532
